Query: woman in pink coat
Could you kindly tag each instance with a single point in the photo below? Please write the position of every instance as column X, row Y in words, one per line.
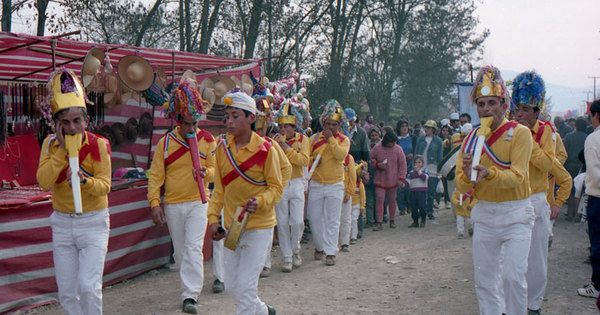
column 387, row 158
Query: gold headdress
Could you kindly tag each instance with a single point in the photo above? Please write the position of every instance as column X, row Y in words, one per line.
column 65, row 91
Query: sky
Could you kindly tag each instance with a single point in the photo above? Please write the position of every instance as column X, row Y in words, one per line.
column 560, row 39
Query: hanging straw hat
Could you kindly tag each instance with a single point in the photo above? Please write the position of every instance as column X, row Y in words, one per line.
column 247, row 84
column 161, row 78
column 131, row 129
column 91, row 65
column 112, row 91
column 135, row 72
column 145, row 125
column 237, row 82
column 189, row 76
column 222, row 85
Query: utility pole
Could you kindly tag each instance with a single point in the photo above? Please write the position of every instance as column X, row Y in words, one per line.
column 594, row 77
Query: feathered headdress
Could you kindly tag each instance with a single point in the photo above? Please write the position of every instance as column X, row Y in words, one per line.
column 528, row 88
column 333, row 110
column 185, row 99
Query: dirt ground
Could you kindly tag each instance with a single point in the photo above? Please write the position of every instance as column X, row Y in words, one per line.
column 433, row 275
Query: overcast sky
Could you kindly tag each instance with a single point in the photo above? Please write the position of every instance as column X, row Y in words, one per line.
column 558, row 38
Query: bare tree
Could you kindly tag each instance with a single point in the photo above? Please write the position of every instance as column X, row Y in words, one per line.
column 6, row 15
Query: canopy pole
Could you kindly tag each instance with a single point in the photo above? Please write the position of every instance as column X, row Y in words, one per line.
column 172, row 79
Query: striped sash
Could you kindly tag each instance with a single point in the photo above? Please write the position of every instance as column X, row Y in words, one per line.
column 258, row 158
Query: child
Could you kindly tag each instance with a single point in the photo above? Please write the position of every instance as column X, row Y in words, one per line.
column 463, row 203
column 346, row 216
column 359, row 198
column 417, row 180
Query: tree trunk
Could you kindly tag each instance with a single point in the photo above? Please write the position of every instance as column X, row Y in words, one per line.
column 145, row 23
column 181, row 23
column 188, row 27
column 208, row 28
column 6, row 15
column 252, row 35
column 41, row 6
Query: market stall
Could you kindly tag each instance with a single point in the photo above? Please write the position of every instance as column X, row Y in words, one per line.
column 132, row 122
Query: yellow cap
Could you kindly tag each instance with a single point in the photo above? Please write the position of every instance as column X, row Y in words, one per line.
column 284, row 116
column 66, row 91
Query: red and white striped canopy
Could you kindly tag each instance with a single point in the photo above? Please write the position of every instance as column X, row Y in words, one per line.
column 29, row 58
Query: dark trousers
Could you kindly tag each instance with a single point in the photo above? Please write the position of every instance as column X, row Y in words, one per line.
column 403, row 197
column 431, row 187
column 418, row 202
column 593, row 219
column 370, row 211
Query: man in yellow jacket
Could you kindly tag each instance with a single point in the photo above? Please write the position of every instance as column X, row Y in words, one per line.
column 184, row 211
column 247, row 174
column 503, row 216
column 79, row 240
column 290, row 210
column 529, row 96
column 326, row 188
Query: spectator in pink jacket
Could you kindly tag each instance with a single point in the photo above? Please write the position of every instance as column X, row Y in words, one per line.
column 389, row 162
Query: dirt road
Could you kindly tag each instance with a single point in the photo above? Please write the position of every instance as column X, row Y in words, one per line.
column 433, row 275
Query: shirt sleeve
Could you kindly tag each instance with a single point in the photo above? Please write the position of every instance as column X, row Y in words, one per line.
column 401, row 164
column 272, row 173
column 210, row 160
column 564, row 182
column 157, row 174
column 52, row 161
column 542, row 154
column 363, row 195
column 299, row 157
column 339, row 150
column 215, row 204
column 100, row 183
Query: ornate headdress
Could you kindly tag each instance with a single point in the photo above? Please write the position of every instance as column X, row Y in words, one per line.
column 528, row 88
column 264, row 113
column 64, row 91
column 333, row 110
column 489, row 82
column 186, row 99
column 288, row 114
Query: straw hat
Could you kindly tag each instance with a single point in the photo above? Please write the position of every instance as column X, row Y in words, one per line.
column 118, row 130
column 131, row 129
column 145, row 125
column 135, row 72
column 222, row 85
column 247, row 84
column 161, row 78
column 237, row 82
column 189, row 75
column 112, row 93
column 207, row 83
column 91, row 65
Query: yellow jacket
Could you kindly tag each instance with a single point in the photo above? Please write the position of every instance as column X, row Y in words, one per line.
column 238, row 191
column 564, row 182
column 359, row 195
column 561, row 152
column 333, row 152
column 51, row 174
column 456, row 140
column 542, row 156
column 284, row 163
column 297, row 153
column 178, row 177
column 513, row 146
column 349, row 175
column 463, row 209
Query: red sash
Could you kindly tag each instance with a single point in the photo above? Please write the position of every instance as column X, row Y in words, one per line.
column 90, row 148
column 347, row 160
column 540, row 132
column 500, row 131
column 201, row 134
column 291, row 142
column 324, row 141
column 258, row 158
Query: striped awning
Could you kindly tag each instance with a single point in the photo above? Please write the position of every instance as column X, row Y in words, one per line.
column 29, row 58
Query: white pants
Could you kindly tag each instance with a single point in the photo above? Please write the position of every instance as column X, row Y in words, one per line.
column 187, row 226
column 324, row 209
column 79, row 245
column 461, row 221
column 242, row 269
column 290, row 218
column 538, row 253
column 345, row 222
column 355, row 214
column 501, row 244
column 268, row 257
column 218, row 260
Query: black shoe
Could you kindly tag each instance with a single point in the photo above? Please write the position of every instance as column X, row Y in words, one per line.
column 189, row 306
column 414, row 225
column 359, row 235
column 430, row 217
column 534, row 312
column 218, row 286
column 368, row 225
column 271, row 310
column 345, row 248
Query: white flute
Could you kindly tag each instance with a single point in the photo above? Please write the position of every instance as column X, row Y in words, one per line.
column 314, row 166
column 477, row 156
column 73, row 144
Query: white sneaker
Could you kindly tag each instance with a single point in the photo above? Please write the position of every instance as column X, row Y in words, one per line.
column 588, row 291
column 286, row 267
column 296, row 260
